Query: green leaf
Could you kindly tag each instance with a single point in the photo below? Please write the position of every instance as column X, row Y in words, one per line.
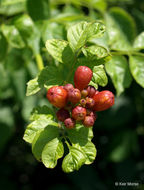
column 51, row 75
column 41, row 110
column 87, row 61
column 32, row 87
column 60, row 50
column 9, row 7
column 137, row 69
column 80, row 134
column 99, row 76
column 79, row 34
column 29, row 32
column 81, row 137
column 42, row 138
column 18, row 78
column 93, row 84
column 74, row 160
column 121, row 29
column 139, row 41
column 52, row 151
column 27, row 105
column 89, row 151
column 69, row 18
column 3, row 46
column 98, row 4
column 102, row 41
column 118, row 69
column 6, row 91
column 13, row 36
column 95, row 51
column 38, row 9
column 52, row 30
column 40, row 123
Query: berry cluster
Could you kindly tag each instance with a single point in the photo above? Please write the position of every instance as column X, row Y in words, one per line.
column 80, row 103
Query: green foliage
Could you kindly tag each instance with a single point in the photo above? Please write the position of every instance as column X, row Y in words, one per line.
column 72, row 38
column 139, row 42
column 52, row 151
column 99, row 77
column 86, row 45
column 38, row 10
column 137, row 69
column 43, row 132
column 118, row 69
column 13, row 36
column 47, row 145
column 10, row 8
column 81, row 138
column 79, row 34
column 60, row 50
column 74, row 160
column 32, row 87
column 121, row 29
column 3, row 46
column 29, row 32
column 43, row 137
column 40, row 122
column 95, row 50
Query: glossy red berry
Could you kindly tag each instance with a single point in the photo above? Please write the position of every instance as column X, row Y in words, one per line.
column 57, row 96
column 103, row 100
column 68, row 87
column 88, row 121
column 91, row 91
column 82, row 77
column 74, row 95
column 79, row 113
column 90, row 102
column 84, row 93
column 69, row 123
column 62, row 114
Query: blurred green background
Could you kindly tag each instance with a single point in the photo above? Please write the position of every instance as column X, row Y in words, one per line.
column 25, row 25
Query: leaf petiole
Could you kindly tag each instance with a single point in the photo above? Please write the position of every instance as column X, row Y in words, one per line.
column 39, row 61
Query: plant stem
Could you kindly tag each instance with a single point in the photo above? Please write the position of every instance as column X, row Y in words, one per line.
column 39, row 61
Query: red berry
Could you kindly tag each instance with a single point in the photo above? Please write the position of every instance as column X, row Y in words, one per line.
column 79, row 113
column 91, row 91
column 74, row 95
column 57, row 96
column 69, row 123
column 61, row 86
column 103, row 100
column 88, row 121
column 92, row 114
column 90, row 102
column 62, row 114
column 82, row 77
column 83, row 102
column 84, row 93
column 68, row 87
